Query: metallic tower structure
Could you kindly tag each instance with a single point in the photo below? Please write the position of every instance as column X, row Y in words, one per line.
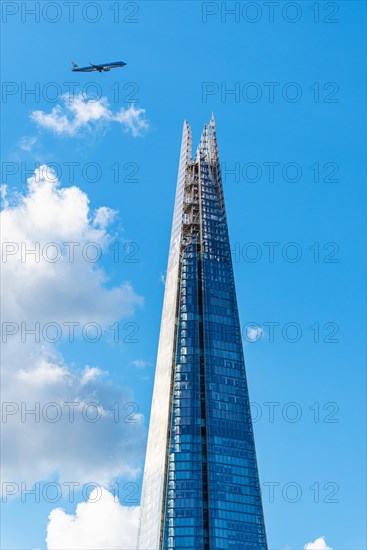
column 201, row 486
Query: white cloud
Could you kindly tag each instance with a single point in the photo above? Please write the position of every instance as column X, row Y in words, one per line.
column 104, row 216
column 133, row 119
column 26, row 143
column 90, row 374
column 43, row 373
column 73, row 287
column 103, row 524
column 3, row 195
column 317, row 544
column 78, row 113
column 34, row 372
column 254, row 333
column 141, row 364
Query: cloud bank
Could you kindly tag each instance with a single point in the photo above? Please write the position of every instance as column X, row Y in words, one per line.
column 317, row 544
column 80, row 113
column 104, row 524
column 35, row 375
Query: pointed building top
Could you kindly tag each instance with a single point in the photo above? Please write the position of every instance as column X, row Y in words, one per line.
column 207, row 145
column 186, row 142
column 202, row 148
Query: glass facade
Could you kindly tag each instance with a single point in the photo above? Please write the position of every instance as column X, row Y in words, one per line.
column 201, row 486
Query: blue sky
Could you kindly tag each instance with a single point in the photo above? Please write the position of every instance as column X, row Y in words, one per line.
column 183, row 59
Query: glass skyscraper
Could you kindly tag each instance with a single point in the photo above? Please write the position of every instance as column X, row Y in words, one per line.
column 201, row 486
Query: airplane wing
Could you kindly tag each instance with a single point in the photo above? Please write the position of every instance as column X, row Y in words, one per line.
column 113, row 65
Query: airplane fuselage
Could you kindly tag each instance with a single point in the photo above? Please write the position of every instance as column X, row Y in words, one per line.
column 105, row 67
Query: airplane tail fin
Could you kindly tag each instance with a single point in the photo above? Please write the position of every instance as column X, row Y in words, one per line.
column 75, row 65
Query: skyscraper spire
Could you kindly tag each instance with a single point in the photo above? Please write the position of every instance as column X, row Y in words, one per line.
column 201, row 488
column 213, row 140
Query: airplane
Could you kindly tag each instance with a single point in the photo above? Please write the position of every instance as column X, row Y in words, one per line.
column 99, row 68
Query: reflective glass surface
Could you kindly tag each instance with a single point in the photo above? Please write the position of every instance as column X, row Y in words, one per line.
column 204, row 454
